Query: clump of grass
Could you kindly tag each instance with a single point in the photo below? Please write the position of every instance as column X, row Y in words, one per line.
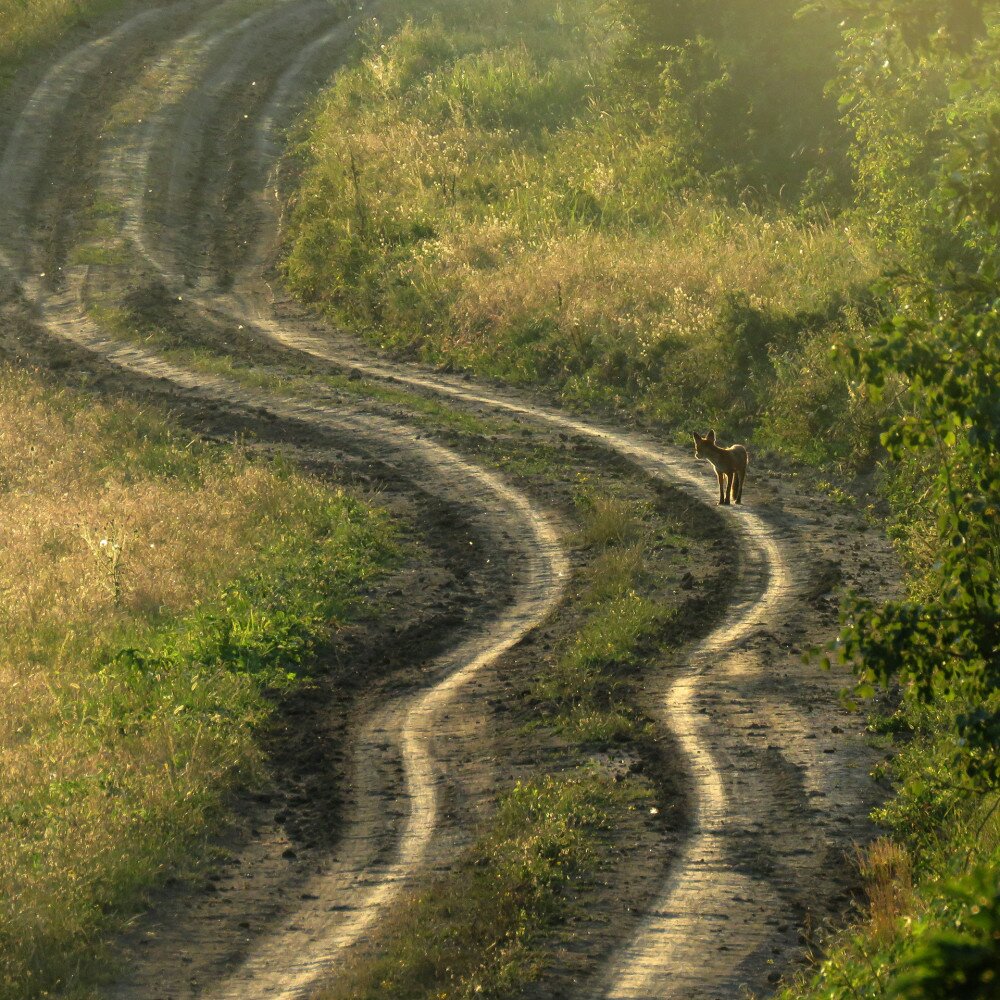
column 477, row 932
column 153, row 589
column 887, row 869
column 607, row 520
column 616, row 571
column 584, row 695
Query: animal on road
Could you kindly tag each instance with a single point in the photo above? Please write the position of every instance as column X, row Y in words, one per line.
column 730, row 466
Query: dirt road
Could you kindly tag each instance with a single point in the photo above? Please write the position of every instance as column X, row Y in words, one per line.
column 137, row 179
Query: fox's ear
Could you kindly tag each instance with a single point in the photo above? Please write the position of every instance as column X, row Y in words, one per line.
column 710, row 437
column 695, row 436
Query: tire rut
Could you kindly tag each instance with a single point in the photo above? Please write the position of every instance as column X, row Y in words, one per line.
column 369, row 876
column 758, row 846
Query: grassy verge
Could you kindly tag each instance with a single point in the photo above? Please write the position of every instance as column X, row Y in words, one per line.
column 495, row 923
column 29, row 26
column 154, row 590
column 481, row 188
column 928, row 928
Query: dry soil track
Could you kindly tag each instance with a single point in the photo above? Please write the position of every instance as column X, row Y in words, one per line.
column 173, row 119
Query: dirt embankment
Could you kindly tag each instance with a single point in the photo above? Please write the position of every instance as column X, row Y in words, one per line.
column 135, row 197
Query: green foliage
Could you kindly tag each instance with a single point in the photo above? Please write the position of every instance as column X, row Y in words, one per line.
column 948, row 643
column 960, row 960
column 745, row 84
column 919, row 88
column 918, row 85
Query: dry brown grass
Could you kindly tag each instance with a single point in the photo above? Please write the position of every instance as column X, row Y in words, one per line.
column 887, row 868
column 111, row 770
column 72, row 495
column 647, row 289
column 455, row 202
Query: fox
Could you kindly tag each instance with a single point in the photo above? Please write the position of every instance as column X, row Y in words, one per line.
column 730, row 466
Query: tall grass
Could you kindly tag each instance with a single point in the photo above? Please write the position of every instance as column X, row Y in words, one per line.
column 152, row 588
column 481, row 187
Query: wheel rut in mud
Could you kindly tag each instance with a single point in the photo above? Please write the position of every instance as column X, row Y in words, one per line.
column 180, row 139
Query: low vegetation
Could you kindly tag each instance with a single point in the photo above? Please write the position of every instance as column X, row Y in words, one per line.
column 154, row 591
column 629, row 203
column 26, row 26
column 491, row 925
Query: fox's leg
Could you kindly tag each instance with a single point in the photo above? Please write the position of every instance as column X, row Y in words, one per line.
column 740, row 476
column 730, row 476
column 724, row 486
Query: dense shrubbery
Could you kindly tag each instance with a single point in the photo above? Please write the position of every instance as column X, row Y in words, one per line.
column 920, row 87
column 744, row 83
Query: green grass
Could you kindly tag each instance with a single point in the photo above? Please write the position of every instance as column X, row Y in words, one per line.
column 31, row 26
column 478, row 189
column 159, row 593
column 586, row 693
column 481, row 930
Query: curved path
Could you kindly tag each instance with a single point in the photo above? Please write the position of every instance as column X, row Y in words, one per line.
column 364, row 883
column 191, row 177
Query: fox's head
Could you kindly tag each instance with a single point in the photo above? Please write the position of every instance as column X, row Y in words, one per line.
column 709, row 438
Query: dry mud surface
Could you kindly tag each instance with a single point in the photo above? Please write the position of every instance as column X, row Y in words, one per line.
column 137, row 175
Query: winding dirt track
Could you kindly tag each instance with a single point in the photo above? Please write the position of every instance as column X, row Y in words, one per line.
column 184, row 141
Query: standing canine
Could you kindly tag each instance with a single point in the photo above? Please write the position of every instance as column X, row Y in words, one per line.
column 730, row 465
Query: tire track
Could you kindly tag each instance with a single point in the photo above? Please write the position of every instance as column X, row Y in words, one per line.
column 676, row 951
column 718, row 916
column 409, row 728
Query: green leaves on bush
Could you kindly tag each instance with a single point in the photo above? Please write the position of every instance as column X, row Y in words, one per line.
column 961, row 959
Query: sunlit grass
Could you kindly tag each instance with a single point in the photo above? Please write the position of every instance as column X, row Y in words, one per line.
column 151, row 588
column 459, row 201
